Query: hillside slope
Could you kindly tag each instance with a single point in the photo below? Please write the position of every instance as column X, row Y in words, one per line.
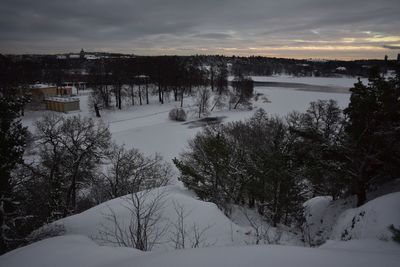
column 338, row 220
column 217, row 229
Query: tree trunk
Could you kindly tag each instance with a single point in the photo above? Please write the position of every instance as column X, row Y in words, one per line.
column 212, row 81
column 96, row 109
column 105, row 96
column 71, row 194
column 175, row 94
column 159, row 94
column 199, row 111
column 215, row 104
column 133, row 96
column 140, row 95
column 116, row 96
column 119, row 97
column 182, row 97
column 237, row 103
column 252, row 202
column 361, row 194
column 147, row 93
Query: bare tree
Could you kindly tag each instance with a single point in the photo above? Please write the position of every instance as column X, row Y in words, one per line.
column 198, row 239
column 219, row 101
column 183, row 236
column 70, row 150
column 129, row 171
column 203, row 100
column 95, row 102
column 243, row 88
column 178, row 232
column 146, row 225
column 262, row 232
column 85, row 142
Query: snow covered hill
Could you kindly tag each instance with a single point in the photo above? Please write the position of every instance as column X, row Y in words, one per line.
column 224, row 242
column 199, row 216
column 337, row 220
column 371, row 220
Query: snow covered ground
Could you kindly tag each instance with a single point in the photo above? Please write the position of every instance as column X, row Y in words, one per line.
column 78, row 251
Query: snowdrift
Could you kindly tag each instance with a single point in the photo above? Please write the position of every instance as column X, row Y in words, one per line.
column 78, row 251
column 370, row 221
column 218, row 229
column 337, row 220
column 70, row 250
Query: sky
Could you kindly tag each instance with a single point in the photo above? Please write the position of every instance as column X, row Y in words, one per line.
column 330, row 29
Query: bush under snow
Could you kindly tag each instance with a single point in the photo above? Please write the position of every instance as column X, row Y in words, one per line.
column 177, row 114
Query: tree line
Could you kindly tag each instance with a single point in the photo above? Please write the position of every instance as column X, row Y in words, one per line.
column 51, row 69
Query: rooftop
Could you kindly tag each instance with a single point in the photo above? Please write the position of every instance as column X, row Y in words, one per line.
column 62, row 99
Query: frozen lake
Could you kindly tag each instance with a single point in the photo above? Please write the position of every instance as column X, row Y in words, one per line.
column 285, row 100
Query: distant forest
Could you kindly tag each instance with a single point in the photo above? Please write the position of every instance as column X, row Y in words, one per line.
column 83, row 66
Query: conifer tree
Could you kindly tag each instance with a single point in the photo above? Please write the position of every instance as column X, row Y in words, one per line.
column 373, row 129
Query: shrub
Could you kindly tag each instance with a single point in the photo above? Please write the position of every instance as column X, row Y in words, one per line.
column 395, row 232
column 177, row 114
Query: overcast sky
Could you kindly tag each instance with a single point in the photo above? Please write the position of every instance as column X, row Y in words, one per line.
column 344, row 29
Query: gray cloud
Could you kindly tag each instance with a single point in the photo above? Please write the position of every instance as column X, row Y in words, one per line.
column 213, row 35
column 392, row 47
column 209, row 26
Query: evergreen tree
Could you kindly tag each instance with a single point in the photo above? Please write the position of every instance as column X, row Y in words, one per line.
column 12, row 145
column 205, row 167
column 373, row 129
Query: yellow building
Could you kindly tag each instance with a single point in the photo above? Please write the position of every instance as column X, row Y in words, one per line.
column 42, row 94
column 62, row 104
